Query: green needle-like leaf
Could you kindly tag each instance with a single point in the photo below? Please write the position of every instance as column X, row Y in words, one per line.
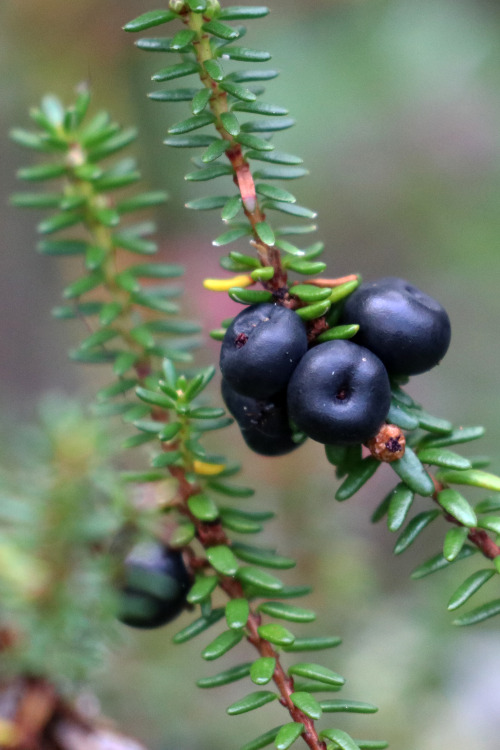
column 341, row 738
column 262, row 670
column 471, row 477
column 288, row 734
column 453, row 542
column 202, row 589
column 357, row 478
column 316, row 672
column 339, row 705
column 469, row 587
column 198, row 626
column 414, row 528
column 222, row 559
column 224, row 678
column 237, row 611
column 443, row 457
column 262, row 741
column 457, row 506
column 251, row 702
column 259, row 579
column 438, row 562
column 276, row 634
column 410, row 470
column 203, row 507
column 287, row 612
column 149, row 19
column 484, row 612
column 306, row 703
column 222, row 644
column 399, row 505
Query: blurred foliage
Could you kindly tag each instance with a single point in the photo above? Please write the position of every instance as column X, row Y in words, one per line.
column 398, row 117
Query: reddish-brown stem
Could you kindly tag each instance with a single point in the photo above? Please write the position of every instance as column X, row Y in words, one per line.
column 478, row 537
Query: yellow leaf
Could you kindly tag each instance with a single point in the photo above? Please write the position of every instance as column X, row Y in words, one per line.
column 208, row 470
column 224, row 285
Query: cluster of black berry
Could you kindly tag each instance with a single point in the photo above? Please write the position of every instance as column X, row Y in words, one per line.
column 338, row 392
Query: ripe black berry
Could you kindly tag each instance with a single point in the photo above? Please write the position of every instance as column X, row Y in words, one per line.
column 155, row 586
column 339, row 393
column 263, row 422
column 261, row 349
column 408, row 330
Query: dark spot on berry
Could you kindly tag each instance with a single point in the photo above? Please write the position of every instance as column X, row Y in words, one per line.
column 240, row 340
column 342, row 394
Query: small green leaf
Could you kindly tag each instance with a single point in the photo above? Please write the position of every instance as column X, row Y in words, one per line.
column 238, row 522
column 149, row 19
column 237, row 611
column 399, row 505
column 277, row 172
column 443, row 457
column 239, row 92
column 433, row 424
column 231, row 235
column 316, row 672
column 484, row 612
column 355, row 707
column 214, row 69
column 262, row 670
column 203, row 507
column 222, row 644
column 59, row 221
column 471, row 477
column 198, row 626
column 224, row 678
column 490, row 505
column 265, row 233
column 166, row 459
column 262, row 741
column 259, row 579
column 410, row 470
column 288, row 734
column 491, row 523
column 306, row 703
column 457, row 506
column 189, row 141
column 276, row 634
column 371, row 744
column 249, row 296
column 191, row 123
column 155, row 398
column 438, row 562
column 250, row 702
column 453, row 542
column 209, row 173
column 41, row 172
column 310, row 293
column 157, row 270
column 83, row 285
column 344, row 290
column 263, row 557
column 181, row 536
column 263, row 274
column 254, row 142
column 287, row 612
column 469, row 587
column 36, row 200
column 341, row 738
column 245, row 54
column 414, row 528
column 239, row 13
column 176, row 71
column 313, row 644
column 338, row 332
column 402, row 418
column 357, row 478
column 202, row 589
column 313, row 311
column 182, row 40
column 460, row 435
column 231, row 208
column 208, row 203
column 221, row 30
column 216, row 149
column 222, row 559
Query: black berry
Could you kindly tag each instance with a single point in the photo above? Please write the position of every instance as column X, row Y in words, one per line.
column 408, row 330
column 261, row 349
column 155, row 586
column 263, row 422
column 339, row 393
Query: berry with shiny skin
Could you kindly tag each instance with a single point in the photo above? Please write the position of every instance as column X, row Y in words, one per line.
column 339, row 393
column 263, row 422
column 408, row 330
column 261, row 349
column 155, row 586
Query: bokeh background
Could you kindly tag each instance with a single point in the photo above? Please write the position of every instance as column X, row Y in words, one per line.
column 397, row 105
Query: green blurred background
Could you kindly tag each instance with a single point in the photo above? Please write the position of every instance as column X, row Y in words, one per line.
column 397, row 105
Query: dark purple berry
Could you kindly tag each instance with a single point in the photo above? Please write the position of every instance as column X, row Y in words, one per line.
column 155, row 586
column 261, row 349
column 408, row 330
column 339, row 393
column 263, row 422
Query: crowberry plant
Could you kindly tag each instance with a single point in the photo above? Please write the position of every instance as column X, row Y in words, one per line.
column 306, row 356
